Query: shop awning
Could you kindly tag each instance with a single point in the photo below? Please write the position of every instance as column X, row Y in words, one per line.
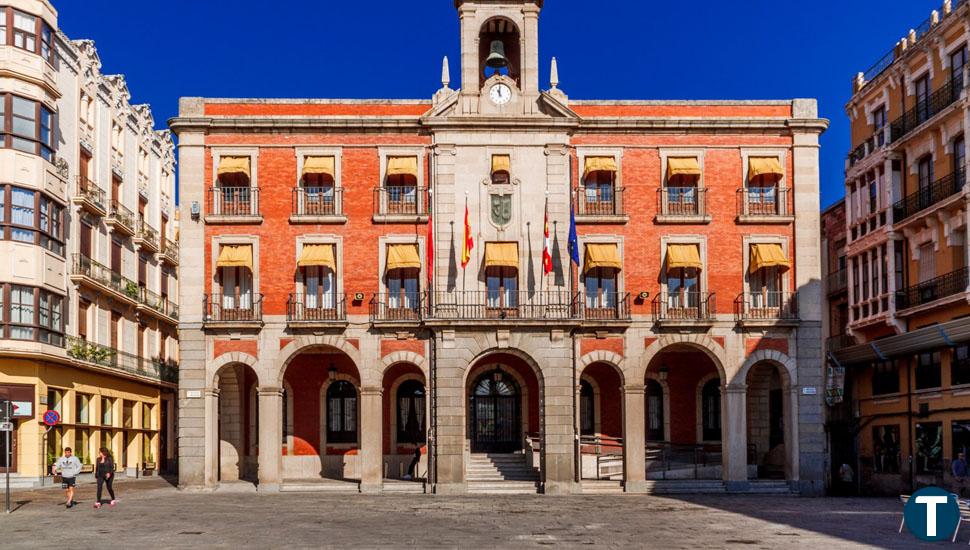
column 502, row 255
column 317, row 255
column 602, row 255
column 683, row 166
column 768, row 255
column 402, row 166
column 233, row 165
column 684, row 256
column 599, row 164
column 762, row 166
column 236, row 255
column 940, row 336
column 501, row 163
column 403, row 256
column 320, row 165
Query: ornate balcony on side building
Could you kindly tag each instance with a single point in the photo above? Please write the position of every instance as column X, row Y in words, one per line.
column 155, row 368
column 938, row 291
column 99, row 277
column 120, row 218
column 146, row 236
column 90, row 197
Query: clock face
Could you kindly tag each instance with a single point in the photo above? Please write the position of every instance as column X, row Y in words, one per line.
column 500, row 94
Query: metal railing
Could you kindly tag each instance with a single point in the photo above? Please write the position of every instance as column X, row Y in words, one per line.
column 232, row 201
column 502, row 305
column 837, row 281
column 158, row 303
column 147, row 233
column 928, row 108
column 763, row 201
column 950, row 284
column 682, row 202
column 317, row 201
column 663, row 459
column 608, row 452
column 839, row 341
column 122, row 215
column 315, row 308
column 684, row 306
column 938, row 191
column 766, row 306
column 83, row 266
column 599, row 201
column 405, row 306
column 606, row 306
column 869, row 146
column 401, row 200
column 233, row 308
column 90, row 192
column 170, row 250
column 165, row 370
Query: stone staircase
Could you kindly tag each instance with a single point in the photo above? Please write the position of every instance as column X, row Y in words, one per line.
column 602, row 487
column 714, row 487
column 402, row 487
column 770, row 487
column 320, row 486
column 495, row 473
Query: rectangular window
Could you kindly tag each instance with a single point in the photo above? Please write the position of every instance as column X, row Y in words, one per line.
column 923, row 98
column 924, row 171
column 502, row 284
column 873, row 193
column 25, row 31
column 927, row 262
column 929, row 447
column 22, row 211
column 960, row 366
column 958, row 60
column 885, row 269
column 402, row 289
column 885, row 377
column 81, row 411
column 128, row 414
column 874, row 262
column 856, row 297
column 960, row 434
column 879, row 124
column 106, row 412
column 45, row 43
column 959, row 155
column 601, row 288
column 865, row 279
column 928, row 370
column 237, row 288
column 21, row 312
column 885, row 447
column 899, row 251
column 146, row 416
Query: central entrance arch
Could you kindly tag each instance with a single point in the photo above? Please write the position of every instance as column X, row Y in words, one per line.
column 496, row 413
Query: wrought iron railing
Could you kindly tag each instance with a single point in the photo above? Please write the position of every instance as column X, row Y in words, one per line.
column 158, row 303
column 684, row 306
column 165, row 370
column 83, row 266
column 503, row 305
column 763, row 201
column 606, row 306
column 839, row 341
column 766, row 306
column 608, row 452
column 232, row 201
column 401, row 200
column 147, row 233
column 837, row 281
column 315, row 308
column 233, row 308
column 405, row 306
column 869, row 146
column 599, row 201
column 685, row 461
column 90, row 192
column 317, row 201
column 927, row 108
column 122, row 215
column 682, row 202
column 938, row 191
column 950, row 284
column 170, row 250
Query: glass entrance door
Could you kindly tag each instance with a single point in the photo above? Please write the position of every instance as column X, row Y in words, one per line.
column 496, row 422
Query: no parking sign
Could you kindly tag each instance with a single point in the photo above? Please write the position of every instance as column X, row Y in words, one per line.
column 52, row 418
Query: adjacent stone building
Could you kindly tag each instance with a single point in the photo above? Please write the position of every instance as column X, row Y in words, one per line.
column 88, row 285
column 332, row 320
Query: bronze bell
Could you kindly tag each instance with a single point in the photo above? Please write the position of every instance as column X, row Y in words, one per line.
column 496, row 59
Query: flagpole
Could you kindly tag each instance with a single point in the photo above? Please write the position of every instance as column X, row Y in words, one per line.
column 464, row 244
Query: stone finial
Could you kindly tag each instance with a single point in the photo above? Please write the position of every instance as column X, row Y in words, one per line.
column 860, row 81
column 912, row 37
column 934, row 17
column 947, row 7
column 554, row 74
column 445, row 73
column 903, row 44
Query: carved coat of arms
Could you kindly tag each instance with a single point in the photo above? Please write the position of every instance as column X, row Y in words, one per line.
column 500, row 209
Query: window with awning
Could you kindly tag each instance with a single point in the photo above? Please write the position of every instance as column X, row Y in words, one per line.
column 599, row 164
column 402, row 166
column 403, row 256
column 233, row 167
column 320, row 166
column 764, row 167
column 502, row 255
column 683, row 166
column 684, row 256
column 235, row 255
column 501, row 163
column 321, row 255
column 602, row 256
column 768, row 255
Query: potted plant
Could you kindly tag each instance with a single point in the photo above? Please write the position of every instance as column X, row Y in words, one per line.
column 131, row 289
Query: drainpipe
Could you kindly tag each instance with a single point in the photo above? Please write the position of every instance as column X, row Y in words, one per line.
column 433, row 443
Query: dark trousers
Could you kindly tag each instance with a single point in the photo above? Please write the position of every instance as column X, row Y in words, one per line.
column 102, row 482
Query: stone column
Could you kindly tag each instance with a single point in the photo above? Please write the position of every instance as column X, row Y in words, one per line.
column 634, row 439
column 558, row 419
column 371, row 439
column 211, row 461
column 735, row 429
column 270, row 436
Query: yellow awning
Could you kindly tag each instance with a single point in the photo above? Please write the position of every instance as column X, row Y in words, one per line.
column 760, row 166
column 599, row 164
column 602, row 255
column 768, row 255
column 502, row 255
column 683, row 166
column 501, row 162
column 233, row 165
column 317, row 254
column 235, row 255
column 402, row 166
column 403, row 256
column 683, row 256
column 320, row 165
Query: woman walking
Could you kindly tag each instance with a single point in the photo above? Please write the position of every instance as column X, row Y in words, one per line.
column 105, row 474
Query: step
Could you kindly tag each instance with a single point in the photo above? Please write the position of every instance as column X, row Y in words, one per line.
column 343, row 487
column 601, row 487
column 402, row 487
column 685, row 487
column 502, row 487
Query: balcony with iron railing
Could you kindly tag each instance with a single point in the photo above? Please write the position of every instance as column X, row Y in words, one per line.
column 607, row 306
column 169, row 252
column 313, row 310
column 950, row 285
column 873, row 143
column 763, row 205
column 401, row 203
column 687, row 205
column 317, row 205
column 90, row 197
column 156, row 368
column 687, row 308
column 158, row 305
column 838, row 341
column 226, row 204
column 146, row 236
column 503, row 305
column 599, row 203
column 403, row 307
column 766, row 307
column 233, row 310
column 87, row 271
column 837, row 281
column 120, row 218
column 938, row 192
column 923, row 111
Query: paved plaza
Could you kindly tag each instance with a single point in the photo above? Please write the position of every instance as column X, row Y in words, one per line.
column 152, row 514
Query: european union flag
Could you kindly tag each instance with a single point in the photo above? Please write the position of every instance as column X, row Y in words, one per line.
column 573, row 244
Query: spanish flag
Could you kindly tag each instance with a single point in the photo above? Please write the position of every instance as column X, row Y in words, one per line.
column 466, row 249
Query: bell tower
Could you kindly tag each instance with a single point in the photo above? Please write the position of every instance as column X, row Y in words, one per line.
column 499, row 56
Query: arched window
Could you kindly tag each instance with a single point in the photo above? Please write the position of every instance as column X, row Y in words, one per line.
column 655, row 411
column 587, row 411
column 410, row 412
column 711, row 410
column 341, row 413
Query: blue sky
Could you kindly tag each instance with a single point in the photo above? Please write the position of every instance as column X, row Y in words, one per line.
column 607, row 49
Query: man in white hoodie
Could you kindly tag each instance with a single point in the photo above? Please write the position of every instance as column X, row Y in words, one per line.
column 69, row 467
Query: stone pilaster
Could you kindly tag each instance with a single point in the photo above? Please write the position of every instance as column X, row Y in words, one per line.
column 270, row 438
column 735, row 435
column 634, row 439
column 371, row 443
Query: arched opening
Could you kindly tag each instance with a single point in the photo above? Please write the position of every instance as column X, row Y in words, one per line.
column 321, row 406
column 683, row 415
column 238, row 423
column 768, row 404
column 601, row 422
column 405, row 422
column 503, row 404
column 505, row 32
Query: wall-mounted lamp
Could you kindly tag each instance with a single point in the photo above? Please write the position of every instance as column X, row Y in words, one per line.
column 332, row 371
column 664, row 371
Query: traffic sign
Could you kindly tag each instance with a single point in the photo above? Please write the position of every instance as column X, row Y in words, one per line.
column 6, row 426
column 52, row 418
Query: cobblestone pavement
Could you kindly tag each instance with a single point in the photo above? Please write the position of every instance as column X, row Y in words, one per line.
column 152, row 514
